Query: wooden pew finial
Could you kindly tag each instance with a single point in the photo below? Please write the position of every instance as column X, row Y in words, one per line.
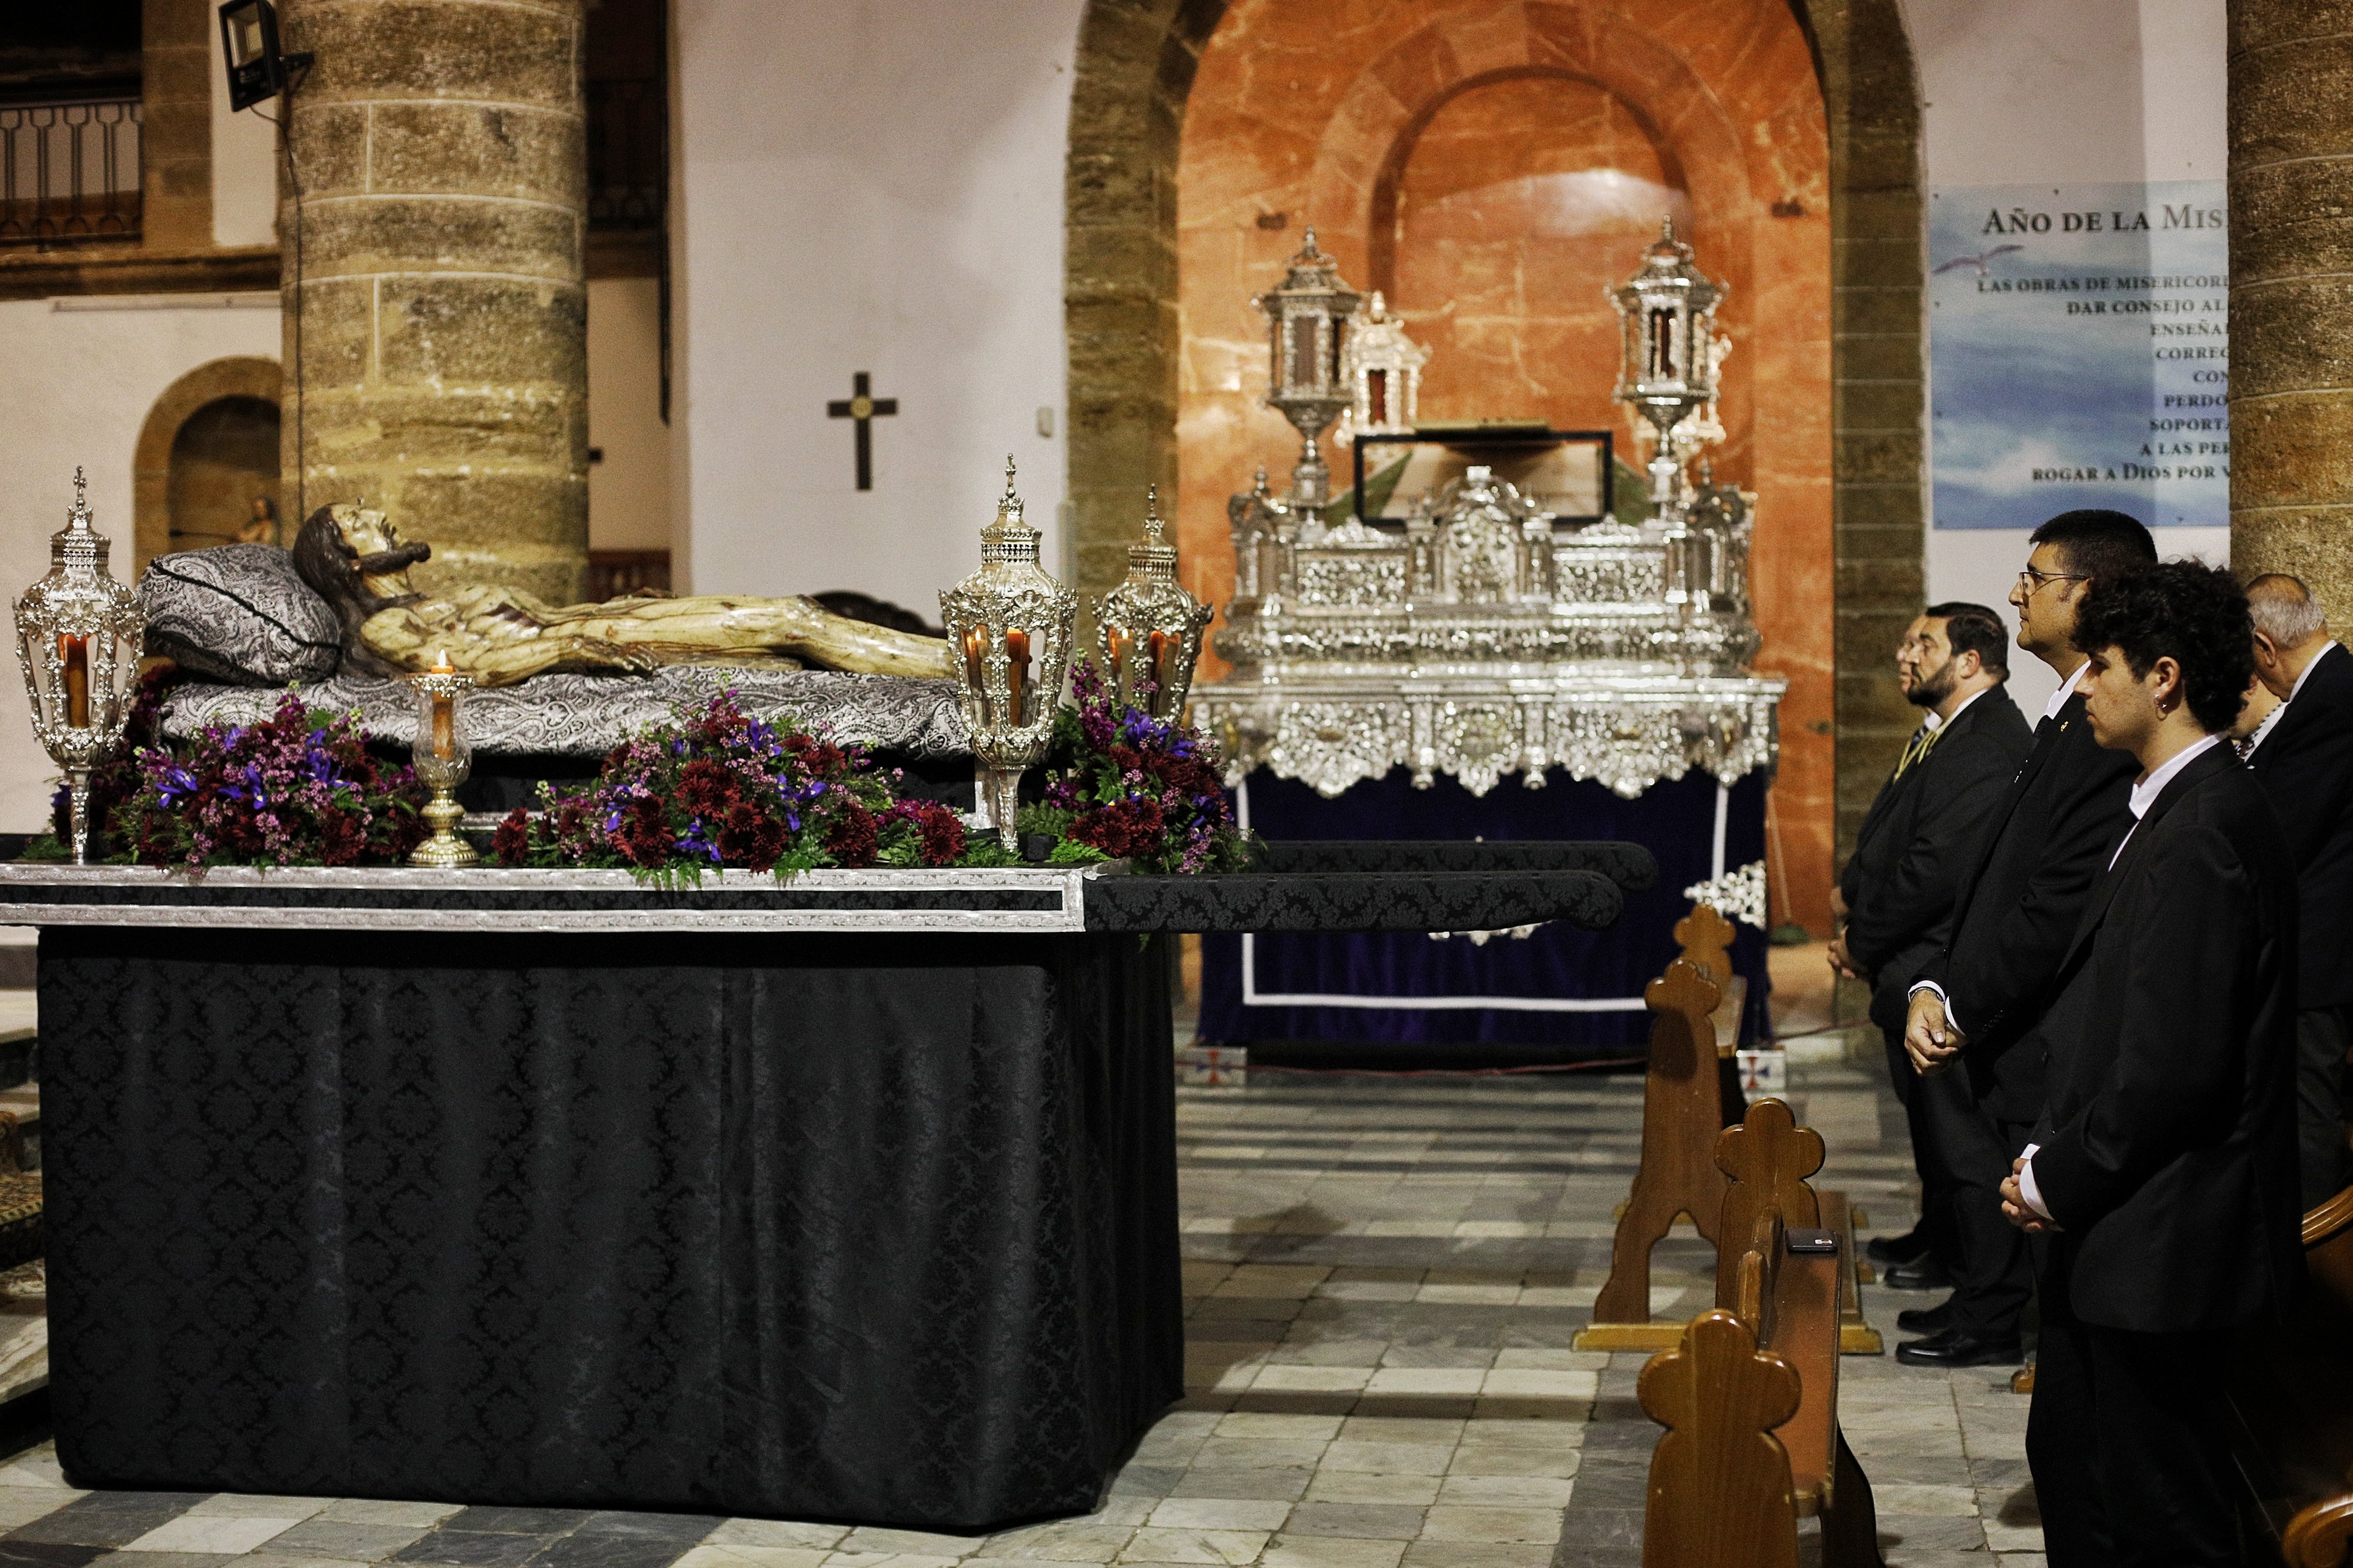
column 1768, row 1158
column 1720, row 1398
column 1706, row 937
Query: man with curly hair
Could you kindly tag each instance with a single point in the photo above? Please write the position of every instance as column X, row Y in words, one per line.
column 2163, row 1169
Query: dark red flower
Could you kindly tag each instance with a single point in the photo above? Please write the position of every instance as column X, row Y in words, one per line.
column 511, row 842
column 749, row 837
column 343, row 841
column 707, row 789
column 943, row 834
column 849, row 838
column 645, row 837
column 1124, row 827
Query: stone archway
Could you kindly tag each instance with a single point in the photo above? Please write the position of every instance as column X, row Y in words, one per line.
column 1136, row 63
column 238, row 376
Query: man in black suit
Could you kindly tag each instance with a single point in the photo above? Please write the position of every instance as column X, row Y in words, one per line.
column 2163, row 1169
column 1897, row 890
column 2305, row 762
column 2053, row 830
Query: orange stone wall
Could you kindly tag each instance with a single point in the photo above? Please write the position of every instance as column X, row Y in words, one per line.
column 1493, row 167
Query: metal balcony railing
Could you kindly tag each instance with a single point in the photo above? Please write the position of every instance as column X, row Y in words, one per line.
column 69, row 170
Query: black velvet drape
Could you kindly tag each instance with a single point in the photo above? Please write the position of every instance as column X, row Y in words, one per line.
column 878, row 1228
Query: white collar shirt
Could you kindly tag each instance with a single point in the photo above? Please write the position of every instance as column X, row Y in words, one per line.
column 2306, row 674
column 1935, row 721
column 2247, row 748
column 2145, row 793
column 2059, row 698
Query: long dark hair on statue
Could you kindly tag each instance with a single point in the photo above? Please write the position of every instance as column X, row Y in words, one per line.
column 338, row 573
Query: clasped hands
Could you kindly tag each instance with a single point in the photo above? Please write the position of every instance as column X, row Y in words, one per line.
column 2013, row 1204
column 1931, row 1040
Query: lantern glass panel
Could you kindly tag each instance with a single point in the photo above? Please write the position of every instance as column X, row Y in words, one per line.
column 444, row 757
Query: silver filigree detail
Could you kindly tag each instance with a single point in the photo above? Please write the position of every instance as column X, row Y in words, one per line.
column 1331, row 745
column 1739, row 894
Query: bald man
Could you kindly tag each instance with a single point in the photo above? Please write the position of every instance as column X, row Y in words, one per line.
column 2305, row 762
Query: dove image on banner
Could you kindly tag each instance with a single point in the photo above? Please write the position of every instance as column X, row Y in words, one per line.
column 2079, row 352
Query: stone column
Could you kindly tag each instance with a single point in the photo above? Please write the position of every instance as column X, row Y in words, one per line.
column 2291, row 194
column 179, row 52
column 440, row 150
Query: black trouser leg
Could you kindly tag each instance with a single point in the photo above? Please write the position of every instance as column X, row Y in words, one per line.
column 1992, row 1276
column 1936, row 1180
column 2124, row 1441
column 2321, row 1038
column 2061, row 1447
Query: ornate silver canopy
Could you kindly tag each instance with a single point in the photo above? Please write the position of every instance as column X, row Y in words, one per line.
column 1489, row 637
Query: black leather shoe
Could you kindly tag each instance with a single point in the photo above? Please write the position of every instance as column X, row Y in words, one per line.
column 1953, row 1349
column 1909, row 1247
column 1932, row 1319
column 1926, row 1274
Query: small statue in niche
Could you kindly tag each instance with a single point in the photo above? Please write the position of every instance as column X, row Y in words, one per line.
column 356, row 561
column 261, row 528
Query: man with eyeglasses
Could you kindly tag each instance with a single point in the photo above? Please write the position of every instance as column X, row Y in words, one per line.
column 1983, row 999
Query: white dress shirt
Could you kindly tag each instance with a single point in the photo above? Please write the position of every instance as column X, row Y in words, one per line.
column 2144, row 796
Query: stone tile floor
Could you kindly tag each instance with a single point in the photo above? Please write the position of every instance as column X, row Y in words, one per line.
column 1383, row 1277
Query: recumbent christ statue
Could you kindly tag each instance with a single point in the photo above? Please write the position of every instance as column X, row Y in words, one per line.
column 355, row 559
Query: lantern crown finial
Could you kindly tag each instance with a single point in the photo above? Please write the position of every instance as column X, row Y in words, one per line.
column 1152, row 524
column 80, row 516
column 1009, row 537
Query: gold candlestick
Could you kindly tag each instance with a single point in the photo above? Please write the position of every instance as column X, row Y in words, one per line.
column 443, row 761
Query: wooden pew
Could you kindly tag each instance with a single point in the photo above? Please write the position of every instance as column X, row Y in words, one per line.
column 1695, row 1011
column 1749, row 1396
column 2292, row 1395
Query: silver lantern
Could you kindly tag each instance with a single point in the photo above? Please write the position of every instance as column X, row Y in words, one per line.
column 1666, row 315
column 1011, row 626
column 1307, row 322
column 1148, row 629
column 78, row 638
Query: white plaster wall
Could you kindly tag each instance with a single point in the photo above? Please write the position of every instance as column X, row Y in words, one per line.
column 2018, row 91
column 102, row 370
column 864, row 184
column 629, row 488
column 245, row 167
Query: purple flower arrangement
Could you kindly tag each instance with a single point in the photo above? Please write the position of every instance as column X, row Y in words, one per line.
column 717, row 788
column 1139, row 788
column 297, row 789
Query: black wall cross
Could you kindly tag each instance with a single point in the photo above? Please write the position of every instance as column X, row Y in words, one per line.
column 864, row 407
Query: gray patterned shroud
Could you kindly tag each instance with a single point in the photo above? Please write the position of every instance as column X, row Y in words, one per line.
column 590, row 714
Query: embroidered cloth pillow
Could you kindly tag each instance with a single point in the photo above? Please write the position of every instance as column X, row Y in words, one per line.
column 239, row 614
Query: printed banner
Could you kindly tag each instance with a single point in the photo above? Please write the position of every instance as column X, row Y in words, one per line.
column 2079, row 352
